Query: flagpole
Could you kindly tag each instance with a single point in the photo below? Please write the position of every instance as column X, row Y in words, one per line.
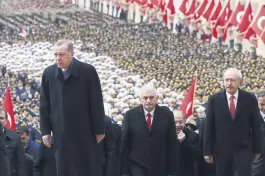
column 195, row 87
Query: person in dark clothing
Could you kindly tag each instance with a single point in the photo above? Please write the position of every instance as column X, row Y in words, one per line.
column 30, row 146
column 30, row 163
column 15, row 150
column 204, row 168
column 4, row 163
column 45, row 163
column 109, row 158
column 190, row 151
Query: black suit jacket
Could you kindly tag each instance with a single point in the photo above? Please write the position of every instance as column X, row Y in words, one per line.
column 45, row 163
column 226, row 136
column 258, row 168
column 154, row 149
column 15, row 151
column 4, row 162
column 190, row 152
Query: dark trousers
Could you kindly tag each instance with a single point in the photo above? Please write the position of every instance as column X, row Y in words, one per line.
column 136, row 170
column 240, row 164
column 4, row 165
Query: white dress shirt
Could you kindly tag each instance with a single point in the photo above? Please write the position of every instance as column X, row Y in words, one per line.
column 235, row 99
column 152, row 115
column 263, row 116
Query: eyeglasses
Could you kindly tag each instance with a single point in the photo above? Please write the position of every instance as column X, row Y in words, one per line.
column 150, row 98
column 232, row 80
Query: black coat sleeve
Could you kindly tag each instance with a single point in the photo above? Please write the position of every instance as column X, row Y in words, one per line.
column 96, row 103
column 125, row 147
column 208, row 129
column 172, row 146
column 193, row 146
column 109, row 147
column 39, row 162
column 255, row 126
column 45, row 108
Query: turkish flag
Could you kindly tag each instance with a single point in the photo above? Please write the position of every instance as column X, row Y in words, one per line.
column 258, row 24
column 171, row 7
column 184, row 6
column 209, row 10
column 216, row 12
column 246, row 19
column 202, row 8
column 192, row 8
column 155, row 2
column 222, row 20
column 187, row 103
column 237, row 14
column 8, row 106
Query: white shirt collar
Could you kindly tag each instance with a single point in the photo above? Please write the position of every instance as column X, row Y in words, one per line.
column 262, row 114
column 151, row 112
column 228, row 95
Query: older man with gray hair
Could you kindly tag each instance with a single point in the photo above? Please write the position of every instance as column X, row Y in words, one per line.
column 149, row 141
column 71, row 105
column 232, row 128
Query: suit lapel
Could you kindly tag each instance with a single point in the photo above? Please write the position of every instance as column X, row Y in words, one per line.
column 239, row 104
column 224, row 106
column 155, row 119
column 141, row 118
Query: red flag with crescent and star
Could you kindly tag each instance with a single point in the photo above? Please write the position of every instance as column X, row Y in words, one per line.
column 187, row 103
column 8, row 106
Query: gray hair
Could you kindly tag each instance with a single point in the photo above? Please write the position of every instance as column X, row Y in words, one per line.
column 236, row 71
column 147, row 88
column 261, row 94
column 70, row 46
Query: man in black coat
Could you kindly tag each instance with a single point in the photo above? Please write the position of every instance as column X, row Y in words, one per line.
column 204, row 168
column 4, row 162
column 17, row 159
column 258, row 168
column 189, row 146
column 148, row 144
column 45, row 163
column 71, row 105
column 232, row 128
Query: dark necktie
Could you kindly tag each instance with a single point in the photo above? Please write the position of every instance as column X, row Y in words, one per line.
column 149, row 120
column 232, row 106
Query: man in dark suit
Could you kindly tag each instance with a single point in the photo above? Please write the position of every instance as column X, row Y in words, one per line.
column 17, row 159
column 232, row 128
column 189, row 146
column 4, row 162
column 45, row 163
column 258, row 168
column 148, row 144
column 204, row 168
column 71, row 105
column 30, row 147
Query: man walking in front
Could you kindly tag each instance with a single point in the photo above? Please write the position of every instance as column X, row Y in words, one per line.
column 71, row 105
column 232, row 128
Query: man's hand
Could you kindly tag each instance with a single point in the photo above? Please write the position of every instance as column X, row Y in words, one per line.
column 181, row 136
column 47, row 140
column 255, row 157
column 208, row 159
column 100, row 137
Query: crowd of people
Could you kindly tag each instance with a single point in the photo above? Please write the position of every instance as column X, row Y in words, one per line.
column 126, row 56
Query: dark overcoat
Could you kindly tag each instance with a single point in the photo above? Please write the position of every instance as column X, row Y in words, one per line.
column 232, row 141
column 154, row 150
column 73, row 110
